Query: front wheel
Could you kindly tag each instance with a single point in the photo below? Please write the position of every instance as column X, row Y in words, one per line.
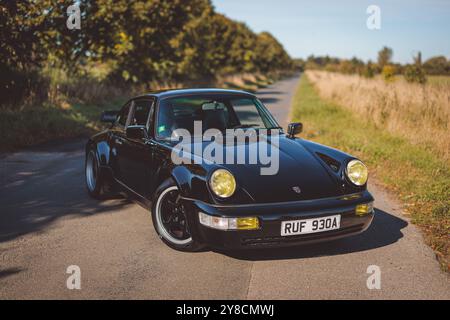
column 169, row 215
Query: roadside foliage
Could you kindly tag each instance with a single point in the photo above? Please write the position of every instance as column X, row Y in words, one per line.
column 128, row 43
column 51, row 75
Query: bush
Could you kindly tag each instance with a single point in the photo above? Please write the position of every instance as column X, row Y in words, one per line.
column 388, row 73
column 415, row 73
column 18, row 88
column 368, row 71
column 437, row 66
column 85, row 89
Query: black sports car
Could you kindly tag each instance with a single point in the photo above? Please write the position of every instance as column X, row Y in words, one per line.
column 316, row 193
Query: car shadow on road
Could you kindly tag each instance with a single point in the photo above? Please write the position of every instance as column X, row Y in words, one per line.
column 9, row 272
column 45, row 187
column 38, row 215
column 384, row 230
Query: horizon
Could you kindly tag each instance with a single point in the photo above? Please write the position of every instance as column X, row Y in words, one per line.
column 339, row 30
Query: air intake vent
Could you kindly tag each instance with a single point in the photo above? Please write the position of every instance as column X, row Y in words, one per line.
column 332, row 163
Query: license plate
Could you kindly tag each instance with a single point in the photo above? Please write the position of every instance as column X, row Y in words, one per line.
column 296, row 227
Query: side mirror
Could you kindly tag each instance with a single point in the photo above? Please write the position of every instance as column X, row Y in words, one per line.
column 109, row 116
column 294, row 129
column 137, row 132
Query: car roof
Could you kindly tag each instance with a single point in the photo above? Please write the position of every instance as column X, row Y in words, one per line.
column 198, row 91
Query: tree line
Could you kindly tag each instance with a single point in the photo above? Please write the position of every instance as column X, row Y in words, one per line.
column 125, row 43
column 416, row 71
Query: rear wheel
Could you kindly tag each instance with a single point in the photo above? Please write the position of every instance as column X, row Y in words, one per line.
column 96, row 183
column 169, row 215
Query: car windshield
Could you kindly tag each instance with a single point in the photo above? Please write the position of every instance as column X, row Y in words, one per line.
column 214, row 112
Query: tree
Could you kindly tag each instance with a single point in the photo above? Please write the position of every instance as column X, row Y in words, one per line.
column 138, row 42
column 437, row 66
column 384, row 57
column 145, row 46
column 270, row 54
column 415, row 73
column 21, row 51
column 418, row 59
column 20, row 27
column 214, row 45
column 368, row 70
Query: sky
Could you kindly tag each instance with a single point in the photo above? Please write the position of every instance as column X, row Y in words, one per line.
column 338, row 28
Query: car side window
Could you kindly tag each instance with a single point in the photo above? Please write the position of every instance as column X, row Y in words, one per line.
column 248, row 113
column 123, row 115
column 141, row 112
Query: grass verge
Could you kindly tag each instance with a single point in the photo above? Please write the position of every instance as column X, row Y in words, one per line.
column 32, row 125
column 420, row 178
column 35, row 125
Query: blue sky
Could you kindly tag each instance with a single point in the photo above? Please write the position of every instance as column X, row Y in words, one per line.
column 338, row 28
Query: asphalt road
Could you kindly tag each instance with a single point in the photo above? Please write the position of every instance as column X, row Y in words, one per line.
column 47, row 223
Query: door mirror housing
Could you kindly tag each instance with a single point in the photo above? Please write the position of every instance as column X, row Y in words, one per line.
column 137, row 132
column 109, row 116
column 294, row 129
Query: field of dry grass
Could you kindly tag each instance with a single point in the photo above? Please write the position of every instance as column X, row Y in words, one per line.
column 371, row 120
column 418, row 113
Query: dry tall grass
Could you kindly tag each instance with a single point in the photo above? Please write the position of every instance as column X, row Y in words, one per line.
column 419, row 113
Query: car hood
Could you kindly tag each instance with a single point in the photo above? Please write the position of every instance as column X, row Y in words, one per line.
column 301, row 174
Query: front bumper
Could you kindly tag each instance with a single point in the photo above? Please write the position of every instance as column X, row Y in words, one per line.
column 272, row 214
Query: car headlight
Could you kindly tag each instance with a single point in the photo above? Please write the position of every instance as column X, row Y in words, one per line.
column 222, row 183
column 357, row 172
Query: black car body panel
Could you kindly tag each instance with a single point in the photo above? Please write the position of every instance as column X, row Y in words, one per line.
column 139, row 166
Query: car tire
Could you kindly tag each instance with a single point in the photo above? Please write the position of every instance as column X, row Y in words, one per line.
column 96, row 184
column 166, row 193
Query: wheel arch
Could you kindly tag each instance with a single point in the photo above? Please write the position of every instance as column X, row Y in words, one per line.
column 191, row 185
column 102, row 151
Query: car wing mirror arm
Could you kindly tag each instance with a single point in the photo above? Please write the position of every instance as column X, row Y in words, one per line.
column 294, row 129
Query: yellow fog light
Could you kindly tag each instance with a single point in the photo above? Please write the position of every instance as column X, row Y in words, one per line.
column 247, row 223
column 222, row 183
column 363, row 209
